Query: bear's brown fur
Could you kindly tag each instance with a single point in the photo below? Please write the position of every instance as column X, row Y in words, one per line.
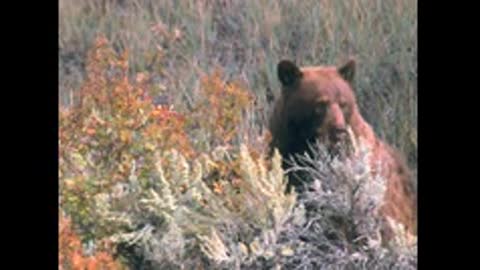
column 318, row 103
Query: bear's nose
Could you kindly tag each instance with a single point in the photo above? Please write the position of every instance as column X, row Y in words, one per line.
column 338, row 133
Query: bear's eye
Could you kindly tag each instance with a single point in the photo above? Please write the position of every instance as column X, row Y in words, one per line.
column 320, row 108
column 345, row 107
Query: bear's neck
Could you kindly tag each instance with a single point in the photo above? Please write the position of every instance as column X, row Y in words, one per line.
column 361, row 128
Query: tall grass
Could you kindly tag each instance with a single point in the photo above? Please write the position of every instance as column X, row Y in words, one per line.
column 246, row 39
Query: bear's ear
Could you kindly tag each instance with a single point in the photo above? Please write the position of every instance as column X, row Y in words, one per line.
column 288, row 73
column 347, row 70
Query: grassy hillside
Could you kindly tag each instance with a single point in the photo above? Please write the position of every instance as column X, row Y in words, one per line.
column 247, row 38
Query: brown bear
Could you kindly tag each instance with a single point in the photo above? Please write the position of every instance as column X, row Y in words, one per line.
column 318, row 104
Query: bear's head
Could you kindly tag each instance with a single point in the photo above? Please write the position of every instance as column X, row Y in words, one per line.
column 317, row 103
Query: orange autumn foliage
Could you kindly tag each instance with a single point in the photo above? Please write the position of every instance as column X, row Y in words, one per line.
column 71, row 254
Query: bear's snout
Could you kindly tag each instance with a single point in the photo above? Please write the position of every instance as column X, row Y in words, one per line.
column 338, row 134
